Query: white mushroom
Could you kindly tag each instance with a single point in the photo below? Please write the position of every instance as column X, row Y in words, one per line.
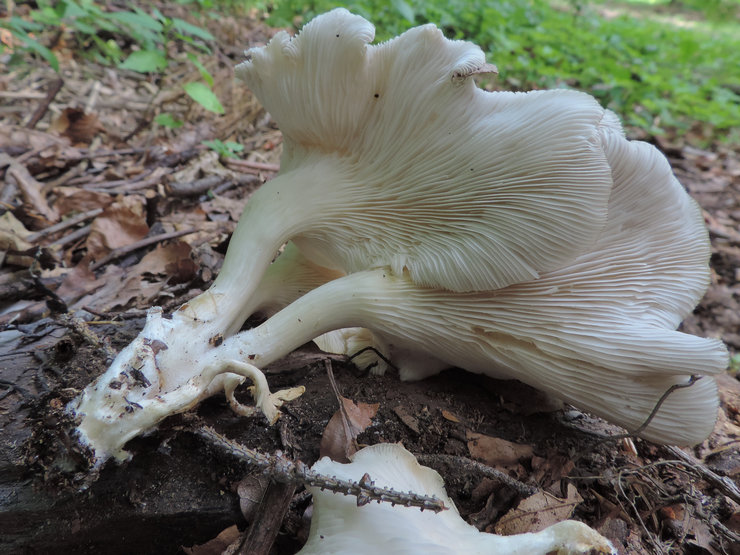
column 338, row 525
column 518, row 235
column 599, row 333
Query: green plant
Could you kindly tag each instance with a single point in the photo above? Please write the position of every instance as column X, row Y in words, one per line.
column 130, row 39
column 227, row 149
column 661, row 75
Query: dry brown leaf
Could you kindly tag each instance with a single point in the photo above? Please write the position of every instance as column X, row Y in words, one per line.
column 495, row 451
column 171, row 260
column 447, row 415
column 334, row 443
column 551, row 468
column 74, row 199
column 76, row 125
column 98, row 300
column 78, row 282
column 217, row 545
column 13, row 233
column 251, row 490
column 406, row 418
column 122, row 223
column 220, row 207
column 537, row 512
column 35, row 205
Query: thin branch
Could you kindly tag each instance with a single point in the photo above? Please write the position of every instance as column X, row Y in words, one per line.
column 246, row 164
column 723, row 483
column 64, row 224
column 641, row 428
column 380, row 355
column 287, row 471
column 56, row 86
column 462, row 464
column 76, row 235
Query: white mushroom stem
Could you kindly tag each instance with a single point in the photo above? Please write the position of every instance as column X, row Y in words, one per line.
column 338, row 525
column 610, row 368
column 115, row 409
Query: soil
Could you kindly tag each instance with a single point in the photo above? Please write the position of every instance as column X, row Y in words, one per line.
column 179, row 490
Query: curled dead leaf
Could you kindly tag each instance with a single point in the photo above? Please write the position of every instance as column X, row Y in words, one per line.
column 337, row 442
column 80, row 128
column 537, row 512
column 495, row 451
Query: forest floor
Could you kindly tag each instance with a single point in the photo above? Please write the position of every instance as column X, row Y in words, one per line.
column 105, row 214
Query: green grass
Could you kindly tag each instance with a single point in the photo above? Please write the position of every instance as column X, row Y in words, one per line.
column 663, row 70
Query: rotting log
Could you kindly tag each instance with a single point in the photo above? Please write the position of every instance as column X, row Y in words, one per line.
column 167, row 496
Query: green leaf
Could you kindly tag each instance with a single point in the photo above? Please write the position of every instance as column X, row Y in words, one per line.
column 168, row 120
column 136, row 20
column 403, row 8
column 185, row 27
column 204, row 73
column 40, row 49
column 145, row 61
column 204, row 96
column 234, row 147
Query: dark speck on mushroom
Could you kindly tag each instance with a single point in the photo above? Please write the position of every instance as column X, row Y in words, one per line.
column 376, row 95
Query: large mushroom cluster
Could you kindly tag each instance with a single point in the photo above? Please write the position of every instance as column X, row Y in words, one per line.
column 518, row 235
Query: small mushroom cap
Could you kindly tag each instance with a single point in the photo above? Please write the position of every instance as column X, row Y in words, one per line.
column 419, row 169
column 338, row 525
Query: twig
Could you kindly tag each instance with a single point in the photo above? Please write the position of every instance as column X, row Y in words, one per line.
column 64, row 224
column 656, row 543
column 462, row 464
column 253, row 165
column 117, row 253
column 214, row 182
column 692, row 380
column 72, row 237
column 56, row 86
column 724, row 484
column 89, row 336
column 265, row 527
column 604, row 439
column 380, row 355
column 287, row 471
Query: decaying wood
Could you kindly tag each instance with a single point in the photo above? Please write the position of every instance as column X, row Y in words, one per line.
column 269, row 517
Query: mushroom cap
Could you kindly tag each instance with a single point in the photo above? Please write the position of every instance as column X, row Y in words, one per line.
column 599, row 332
column 418, row 168
column 338, row 525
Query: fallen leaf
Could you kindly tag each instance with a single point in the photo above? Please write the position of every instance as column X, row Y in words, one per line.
column 76, row 125
column 251, row 490
column 122, row 223
column 335, row 443
column 74, row 199
column 495, row 451
column 406, row 418
column 551, row 468
column 217, row 545
column 447, row 415
column 78, row 282
column 537, row 512
column 13, row 233
column 35, row 206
